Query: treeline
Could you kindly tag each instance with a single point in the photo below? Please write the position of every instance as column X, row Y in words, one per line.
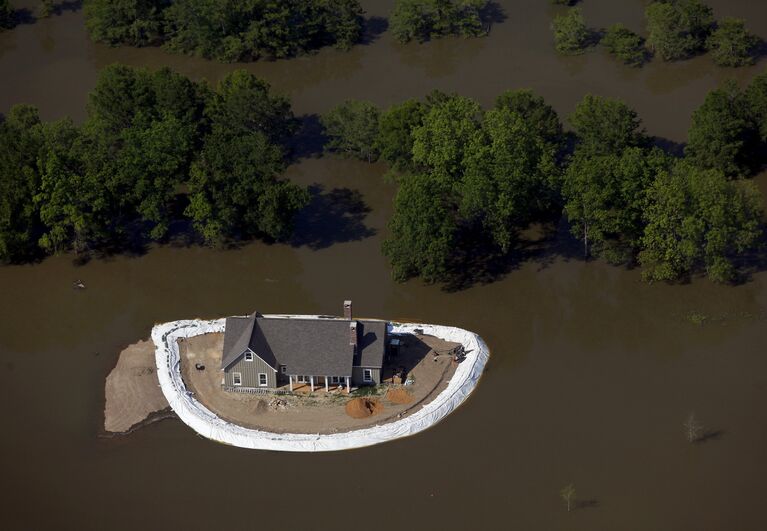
column 228, row 30
column 471, row 180
column 154, row 143
column 676, row 30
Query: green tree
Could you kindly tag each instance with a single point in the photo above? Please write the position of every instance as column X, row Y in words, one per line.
column 756, row 103
column 7, row 15
column 604, row 126
column 234, row 191
column 605, row 199
column 448, row 128
column 243, row 103
column 132, row 22
column 571, row 36
column 74, row 207
column 21, row 141
column 698, row 219
column 625, row 45
column 423, row 230
column 731, row 44
column 509, row 178
column 422, row 20
column 536, row 113
column 721, row 136
column 678, row 29
column 395, row 133
column 352, row 128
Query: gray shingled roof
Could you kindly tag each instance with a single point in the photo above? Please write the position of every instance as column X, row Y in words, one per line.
column 307, row 346
column 236, row 338
column 372, row 344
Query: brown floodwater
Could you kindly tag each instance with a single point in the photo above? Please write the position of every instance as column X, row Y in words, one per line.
column 592, row 374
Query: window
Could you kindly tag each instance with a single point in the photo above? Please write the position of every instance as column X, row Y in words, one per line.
column 261, row 379
column 302, row 379
column 237, row 378
column 249, row 356
column 367, row 375
column 335, row 379
column 284, row 369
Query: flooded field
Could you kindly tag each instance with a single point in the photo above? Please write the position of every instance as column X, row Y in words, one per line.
column 592, row 373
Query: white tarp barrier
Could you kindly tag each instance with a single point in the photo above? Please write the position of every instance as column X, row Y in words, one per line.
column 209, row 425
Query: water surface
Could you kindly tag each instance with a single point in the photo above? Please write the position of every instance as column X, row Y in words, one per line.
column 592, row 371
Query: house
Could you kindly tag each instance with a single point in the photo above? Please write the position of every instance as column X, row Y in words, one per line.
column 270, row 352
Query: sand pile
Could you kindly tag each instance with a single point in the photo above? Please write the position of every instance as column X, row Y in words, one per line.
column 360, row 408
column 132, row 389
column 399, row 396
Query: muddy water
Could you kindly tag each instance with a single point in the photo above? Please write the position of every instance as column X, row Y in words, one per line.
column 592, row 374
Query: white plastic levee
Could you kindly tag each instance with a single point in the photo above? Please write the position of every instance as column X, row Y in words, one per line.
column 208, row 424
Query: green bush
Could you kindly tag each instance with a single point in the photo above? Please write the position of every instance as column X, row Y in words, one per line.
column 422, row 20
column 678, row 29
column 571, row 36
column 731, row 44
column 625, row 45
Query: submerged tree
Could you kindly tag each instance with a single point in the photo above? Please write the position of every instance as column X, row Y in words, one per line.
column 7, row 15
column 227, row 31
column 424, row 230
column 352, row 128
column 395, row 133
column 731, row 44
column 721, row 135
column 693, row 429
column 606, row 197
column 698, row 219
column 568, row 496
column 131, row 22
column 678, row 29
column 604, row 126
column 756, row 104
column 21, row 142
column 625, row 45
column 571, row 36
column 422, row 20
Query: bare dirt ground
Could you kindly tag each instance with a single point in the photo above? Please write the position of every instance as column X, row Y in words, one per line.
column 424, row 358
column 132, row 390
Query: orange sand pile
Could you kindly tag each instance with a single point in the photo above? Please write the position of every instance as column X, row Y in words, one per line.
column 399, row 396
column 360, row 408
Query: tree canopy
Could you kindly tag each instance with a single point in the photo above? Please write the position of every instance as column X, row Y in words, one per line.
column 625, row 45
column 7, row 15
column 731, row 44
column 489, row 174
column 677, row 29
column 116, row 179
column 697, row 218
column 352, row 128
column 227, row 30
column 422, row 20
column 722, row 135
column 606, row 126
column 571, row 36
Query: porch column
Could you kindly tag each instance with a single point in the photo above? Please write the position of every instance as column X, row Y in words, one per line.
column 327, row 387
column 311, row 381
column 348, row 386
column 290, row 378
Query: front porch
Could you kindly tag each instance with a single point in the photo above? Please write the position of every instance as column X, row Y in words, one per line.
column 310, row 384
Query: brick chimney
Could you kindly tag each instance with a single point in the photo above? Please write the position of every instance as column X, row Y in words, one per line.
column 353, row 335
column 348, row 310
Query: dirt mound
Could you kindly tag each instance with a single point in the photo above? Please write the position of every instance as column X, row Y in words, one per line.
column 399, row 396
column 360, row 408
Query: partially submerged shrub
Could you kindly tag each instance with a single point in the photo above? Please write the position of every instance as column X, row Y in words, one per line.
column 625, row 45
